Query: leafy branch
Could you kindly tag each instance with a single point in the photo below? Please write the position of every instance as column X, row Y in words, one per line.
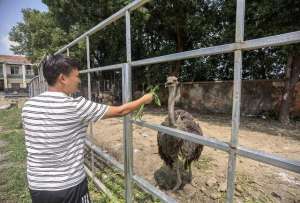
column 140, row 112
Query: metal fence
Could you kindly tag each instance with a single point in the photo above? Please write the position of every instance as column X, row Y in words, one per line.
column 232, row 148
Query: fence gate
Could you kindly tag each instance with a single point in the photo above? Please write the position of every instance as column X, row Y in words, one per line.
column 233, row 149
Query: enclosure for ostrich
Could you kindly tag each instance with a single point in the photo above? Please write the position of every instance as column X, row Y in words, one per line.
column 255, row 181
column 248, row 156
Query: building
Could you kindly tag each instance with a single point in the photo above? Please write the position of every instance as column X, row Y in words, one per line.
column 15, row 74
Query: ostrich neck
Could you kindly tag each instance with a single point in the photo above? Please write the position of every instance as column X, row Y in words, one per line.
column 171, row 104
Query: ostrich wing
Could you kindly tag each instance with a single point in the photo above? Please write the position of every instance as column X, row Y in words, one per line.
column 190, row 151
column 168, row 146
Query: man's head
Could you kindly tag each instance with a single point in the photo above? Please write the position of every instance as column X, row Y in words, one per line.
column 62, row 73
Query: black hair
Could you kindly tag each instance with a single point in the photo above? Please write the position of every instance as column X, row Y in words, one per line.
column 55, row 65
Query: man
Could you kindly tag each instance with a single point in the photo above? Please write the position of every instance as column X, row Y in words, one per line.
column 55, row 127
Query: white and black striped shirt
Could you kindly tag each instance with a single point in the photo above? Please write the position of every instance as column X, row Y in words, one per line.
column 55, row 128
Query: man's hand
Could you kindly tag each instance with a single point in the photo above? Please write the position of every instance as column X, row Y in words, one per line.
column 114, row 111
column 148, row 98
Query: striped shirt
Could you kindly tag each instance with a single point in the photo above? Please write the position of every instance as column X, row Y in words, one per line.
column 55, row 128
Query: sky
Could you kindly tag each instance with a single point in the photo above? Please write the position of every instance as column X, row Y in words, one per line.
column 10, row 14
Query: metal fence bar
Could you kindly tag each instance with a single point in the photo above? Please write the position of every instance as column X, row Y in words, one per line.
column 283, row 39
column 275, row 40
column 103, row 68
column 238, row 63
column 257, row 155
column 221, row 49
column 32, row 86
column 127, row 96
column 270, row 159
column 204, row 140
column 132, row 6
column 106, row 157
column 145, row 185
column 88, row 66
column 99, row 184
column 88, row 61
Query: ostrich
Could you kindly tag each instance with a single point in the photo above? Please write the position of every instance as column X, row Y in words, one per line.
column 174, row 151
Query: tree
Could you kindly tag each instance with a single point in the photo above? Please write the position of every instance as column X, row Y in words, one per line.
column 163, row 27
column 276, row 17
column 266, row 18
column 37, row 35
column 182, row 25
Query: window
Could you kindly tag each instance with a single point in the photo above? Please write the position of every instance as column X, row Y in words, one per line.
column 14, row 70
column 15, row 85
column 29, row 70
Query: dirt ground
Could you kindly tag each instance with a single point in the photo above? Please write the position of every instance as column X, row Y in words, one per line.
column 255, row 181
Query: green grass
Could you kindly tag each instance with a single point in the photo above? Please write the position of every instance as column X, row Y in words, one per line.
column 15, row 188
column 114, row 181
column 96, row 196
column 204, row 163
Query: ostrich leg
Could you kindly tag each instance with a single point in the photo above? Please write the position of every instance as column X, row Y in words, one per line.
column 190, row 173
column 179, row 180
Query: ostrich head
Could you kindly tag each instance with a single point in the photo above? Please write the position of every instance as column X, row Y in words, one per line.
column 174, row 94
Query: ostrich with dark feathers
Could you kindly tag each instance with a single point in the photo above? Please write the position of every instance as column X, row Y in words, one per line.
column 172, row 150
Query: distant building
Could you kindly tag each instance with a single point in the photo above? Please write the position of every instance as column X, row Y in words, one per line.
column 15, row 74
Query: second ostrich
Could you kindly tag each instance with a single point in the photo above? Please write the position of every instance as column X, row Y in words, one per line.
column 172, row 150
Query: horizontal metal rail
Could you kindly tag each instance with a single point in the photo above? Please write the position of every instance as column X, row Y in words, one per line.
column 145, row 185
column 130, row 7
column 99, row 184
column 270, row 159
column 283, row 39
column 221, row 49
column 204, row 140
column 277, row 40
column 214, row 143
column 103, row 68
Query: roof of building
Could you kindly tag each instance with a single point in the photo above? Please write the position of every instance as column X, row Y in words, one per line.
column 14, row 59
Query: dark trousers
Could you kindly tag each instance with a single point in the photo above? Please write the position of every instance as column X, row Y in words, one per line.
column 76, row 194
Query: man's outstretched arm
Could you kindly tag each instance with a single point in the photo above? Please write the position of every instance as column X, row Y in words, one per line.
column 115, row 111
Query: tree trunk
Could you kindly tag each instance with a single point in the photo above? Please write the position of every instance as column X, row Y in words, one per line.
column 291, row 79
column 175, row 71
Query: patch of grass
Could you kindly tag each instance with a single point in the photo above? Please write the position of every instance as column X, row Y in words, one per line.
column 96, row 196
column 15, row 188
column 11, row 118
column 204, row 163
column 251, row 192
column 114, row 181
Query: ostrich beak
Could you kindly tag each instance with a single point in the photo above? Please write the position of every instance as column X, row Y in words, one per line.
column 169, row 83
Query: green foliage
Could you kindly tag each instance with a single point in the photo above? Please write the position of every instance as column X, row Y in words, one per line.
column 159, row 28
column 154, row 91
column 114, row 181
column 14, row 177
column 37, row 35
column 10, row 119
column 264, row 18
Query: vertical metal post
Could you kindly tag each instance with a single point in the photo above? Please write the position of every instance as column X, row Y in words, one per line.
column 88, row 67
column 90, row 97
column 239, row 38
column 68, row 52
column 127, row 125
